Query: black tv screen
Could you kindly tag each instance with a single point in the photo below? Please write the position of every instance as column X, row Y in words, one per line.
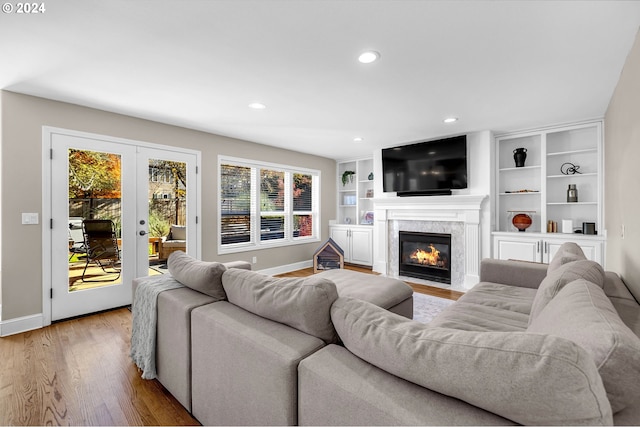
column 426, row 168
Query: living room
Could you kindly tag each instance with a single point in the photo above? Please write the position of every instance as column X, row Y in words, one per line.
column 26, row 109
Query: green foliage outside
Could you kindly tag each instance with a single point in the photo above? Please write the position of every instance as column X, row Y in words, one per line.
column 158, row 226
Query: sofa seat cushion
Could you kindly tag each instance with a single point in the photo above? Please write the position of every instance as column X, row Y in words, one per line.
column 302, row 303
column 382, row 291
column 175, row 244
column 205, row 277
column 489, row 307
column 556, row 280
column 527, row 378
column 581, row 312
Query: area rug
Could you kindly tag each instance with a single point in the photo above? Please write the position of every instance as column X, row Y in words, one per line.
column 426, row 307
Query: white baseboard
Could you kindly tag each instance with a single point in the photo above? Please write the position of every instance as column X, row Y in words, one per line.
column 281, row 269
column 21, row 324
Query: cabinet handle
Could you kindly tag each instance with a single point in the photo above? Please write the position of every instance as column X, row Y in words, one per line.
column 538, row 247
column 546, row 247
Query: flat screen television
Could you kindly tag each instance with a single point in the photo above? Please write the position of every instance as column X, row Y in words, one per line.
column 426, row 168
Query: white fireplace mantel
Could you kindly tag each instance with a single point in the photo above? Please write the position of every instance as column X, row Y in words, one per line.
column 456, row 208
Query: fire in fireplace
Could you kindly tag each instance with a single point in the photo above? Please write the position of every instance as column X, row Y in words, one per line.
column 425, row 256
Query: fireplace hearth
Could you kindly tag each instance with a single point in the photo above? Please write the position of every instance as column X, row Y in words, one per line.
column 425, row 256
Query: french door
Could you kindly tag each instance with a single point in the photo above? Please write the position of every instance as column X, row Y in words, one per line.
column 113, row 203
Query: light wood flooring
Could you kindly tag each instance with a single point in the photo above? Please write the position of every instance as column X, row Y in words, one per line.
column 78, row 372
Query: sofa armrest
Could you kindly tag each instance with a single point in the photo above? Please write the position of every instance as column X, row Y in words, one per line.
column 511, row 272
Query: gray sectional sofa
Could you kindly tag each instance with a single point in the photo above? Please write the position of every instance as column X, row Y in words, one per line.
column 530, row 344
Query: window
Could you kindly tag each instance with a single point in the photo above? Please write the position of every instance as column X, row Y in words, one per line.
column 264, row 205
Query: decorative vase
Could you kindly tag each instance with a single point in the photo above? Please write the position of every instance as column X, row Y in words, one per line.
column 572, row 194
column 521, row 221
column 520, row 155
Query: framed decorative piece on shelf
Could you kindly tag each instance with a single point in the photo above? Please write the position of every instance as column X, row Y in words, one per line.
column 369, row 193
column 367, row 218
column 349, row 200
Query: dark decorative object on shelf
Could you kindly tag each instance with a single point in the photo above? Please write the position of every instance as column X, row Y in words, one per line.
column 370, row 177
column 520, row 155
column 569, row 169
column 572, row 194
column 521, row 221
column 347, row 176
column 589, row 228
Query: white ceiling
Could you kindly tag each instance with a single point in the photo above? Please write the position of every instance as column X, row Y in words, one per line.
column 497, row 65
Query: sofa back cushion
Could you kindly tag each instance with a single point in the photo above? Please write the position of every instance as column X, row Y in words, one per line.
column 178, row 232
column 302, row 303
column 528, row 378
column 567, row 252
column 556, row 280
column 582, row 313
column 202, row 276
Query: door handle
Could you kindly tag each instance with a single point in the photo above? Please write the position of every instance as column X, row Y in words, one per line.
column 142, row 232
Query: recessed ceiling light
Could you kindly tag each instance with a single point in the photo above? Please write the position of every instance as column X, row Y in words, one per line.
column 450, row 120
column 358, row 139
column 368, row 57
column 257, row 106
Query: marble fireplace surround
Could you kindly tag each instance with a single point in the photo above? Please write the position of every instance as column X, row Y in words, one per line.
column 458, row 215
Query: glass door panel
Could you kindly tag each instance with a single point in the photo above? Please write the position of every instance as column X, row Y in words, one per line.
column 95, row 218
column 167, row 208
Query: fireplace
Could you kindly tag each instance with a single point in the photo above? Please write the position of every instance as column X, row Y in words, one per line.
column 425, row 256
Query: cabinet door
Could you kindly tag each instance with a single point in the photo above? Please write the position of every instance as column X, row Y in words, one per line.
column 361, row 246
column 520, row 249
column 340, row 235
column 591, row 250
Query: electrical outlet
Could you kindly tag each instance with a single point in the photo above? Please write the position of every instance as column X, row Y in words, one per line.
column 255, row 259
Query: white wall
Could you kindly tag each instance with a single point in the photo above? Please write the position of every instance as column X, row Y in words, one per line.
column 622, row 175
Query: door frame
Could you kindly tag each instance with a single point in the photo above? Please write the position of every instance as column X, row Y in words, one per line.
column 47, row 133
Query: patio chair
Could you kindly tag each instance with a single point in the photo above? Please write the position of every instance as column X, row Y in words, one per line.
column 76, row 237
column 102, row 247
column 175, row 241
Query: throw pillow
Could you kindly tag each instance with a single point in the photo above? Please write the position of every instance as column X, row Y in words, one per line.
column 202, row 276
column 530, row 379
column 302, row 303
column 582, row 313
column 556, row 280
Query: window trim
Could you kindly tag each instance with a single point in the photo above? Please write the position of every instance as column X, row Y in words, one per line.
column 255, row 243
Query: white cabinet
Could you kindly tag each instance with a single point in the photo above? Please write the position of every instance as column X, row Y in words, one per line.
column 556, row 158
column 355, row 192
column 541, row 247
column 356, row 242
column 524, row 249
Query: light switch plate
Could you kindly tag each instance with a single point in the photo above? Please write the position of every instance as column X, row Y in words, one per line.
column 30, row 218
